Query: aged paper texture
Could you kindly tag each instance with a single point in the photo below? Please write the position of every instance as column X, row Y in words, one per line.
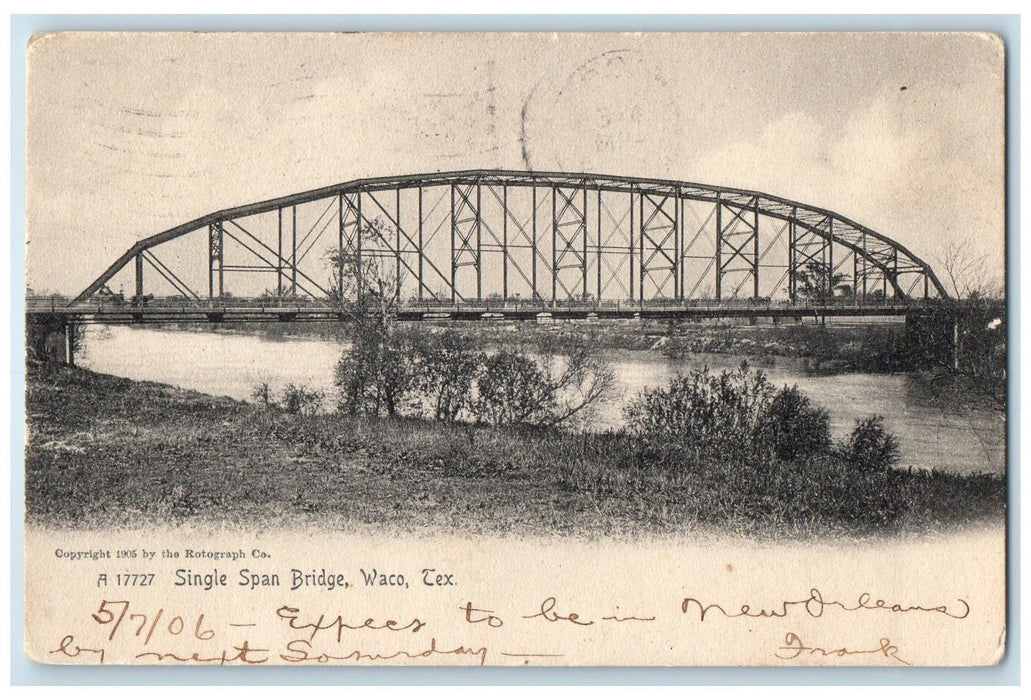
column 516, row 349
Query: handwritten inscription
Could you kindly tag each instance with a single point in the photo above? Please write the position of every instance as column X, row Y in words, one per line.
column 299, row 651
column 547, row 612
column 815, row 606
column 298, row 621
column 299, row 634
column 70, row 649
column 115, row 612
column 794, row 647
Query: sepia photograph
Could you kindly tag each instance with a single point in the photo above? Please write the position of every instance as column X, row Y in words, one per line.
column 639, row 336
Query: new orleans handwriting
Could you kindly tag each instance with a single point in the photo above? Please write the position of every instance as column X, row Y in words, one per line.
column 815, row 606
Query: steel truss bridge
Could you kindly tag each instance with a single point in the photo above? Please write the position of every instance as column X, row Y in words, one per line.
column 492, row 243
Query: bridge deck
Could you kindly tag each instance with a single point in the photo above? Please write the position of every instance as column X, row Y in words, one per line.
column 243, row 311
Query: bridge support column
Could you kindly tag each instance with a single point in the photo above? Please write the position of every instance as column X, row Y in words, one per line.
column 279, row 258
column 719, row 247
column 756, row 257
column 216, row 276
column 631, row 244
column 293, row 250
column 792, row 266
column 830, row 260
column 70, row 331
column 139, row 275
column 51, row 340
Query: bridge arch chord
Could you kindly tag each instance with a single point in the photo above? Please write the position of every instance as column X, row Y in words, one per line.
column 452, row 237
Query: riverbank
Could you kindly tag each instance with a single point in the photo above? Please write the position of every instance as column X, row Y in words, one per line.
column 110, row 452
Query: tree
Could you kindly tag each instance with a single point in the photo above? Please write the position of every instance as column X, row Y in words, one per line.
column 374, row 374
column 967, row 274
column 365, row 282
column 965, row 336
column 816, row 283
column 385, row 371
column 961, row 339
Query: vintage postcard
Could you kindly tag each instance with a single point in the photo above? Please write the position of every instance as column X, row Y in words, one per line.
column 516, row 349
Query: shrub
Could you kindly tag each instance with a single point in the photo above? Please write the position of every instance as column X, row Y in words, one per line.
column 578, row 378
column 445, row 370
column 718, row 415
column 871, row 447
column 406, row 372
column 513, row 390
column 375, row 374
column 302, row 401
column 262, row 395
column 795, row 428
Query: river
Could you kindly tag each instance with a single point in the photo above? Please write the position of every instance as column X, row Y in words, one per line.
column 954, row 438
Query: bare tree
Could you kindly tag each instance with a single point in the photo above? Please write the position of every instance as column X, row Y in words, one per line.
column 578, row 383
column 966, row 273
column 374, row 373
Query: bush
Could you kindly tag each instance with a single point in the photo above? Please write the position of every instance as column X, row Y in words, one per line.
column 734, row 415
column 795, row 428
column 302, row 401
column 375, row 374
column 445, row 370
column 871, row 447
column 400, row 372
column 716, row 415
column 262, row 395
column 513, row 390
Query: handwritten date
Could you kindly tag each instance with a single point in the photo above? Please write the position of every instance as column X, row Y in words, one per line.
column 115, row 612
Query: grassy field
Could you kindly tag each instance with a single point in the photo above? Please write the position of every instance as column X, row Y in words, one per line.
column 105, row 451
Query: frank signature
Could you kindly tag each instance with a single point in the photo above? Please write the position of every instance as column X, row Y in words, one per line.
column 794, row 647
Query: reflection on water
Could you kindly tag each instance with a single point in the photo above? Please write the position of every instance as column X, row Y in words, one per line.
column 952, row 438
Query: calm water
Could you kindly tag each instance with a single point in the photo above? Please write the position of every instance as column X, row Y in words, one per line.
column 952, row 438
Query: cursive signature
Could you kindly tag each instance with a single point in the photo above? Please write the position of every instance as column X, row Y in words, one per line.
column 794, row 647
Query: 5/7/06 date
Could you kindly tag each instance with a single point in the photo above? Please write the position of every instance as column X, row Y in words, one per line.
column 125, row 579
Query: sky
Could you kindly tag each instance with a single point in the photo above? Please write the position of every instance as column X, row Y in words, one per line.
column 132, row 134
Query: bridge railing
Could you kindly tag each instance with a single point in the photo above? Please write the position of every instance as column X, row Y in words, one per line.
column 116, row 305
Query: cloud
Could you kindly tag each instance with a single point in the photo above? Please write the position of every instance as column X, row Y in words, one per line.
column 897, row 168
column 133, row 135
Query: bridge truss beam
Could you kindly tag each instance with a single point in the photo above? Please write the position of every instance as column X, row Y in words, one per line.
column 558, row 237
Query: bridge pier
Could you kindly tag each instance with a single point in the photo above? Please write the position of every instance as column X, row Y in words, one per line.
column 69, row 343
column 52, row 340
